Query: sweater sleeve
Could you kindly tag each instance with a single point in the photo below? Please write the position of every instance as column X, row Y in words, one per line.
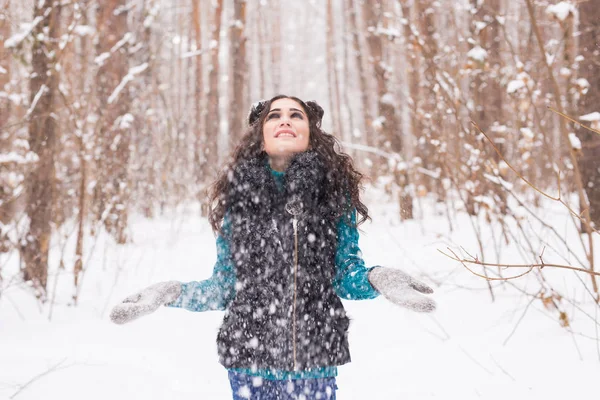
column 351, row 280
column 216, row 292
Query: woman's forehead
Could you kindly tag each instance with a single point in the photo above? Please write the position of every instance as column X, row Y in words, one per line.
column 286, row 103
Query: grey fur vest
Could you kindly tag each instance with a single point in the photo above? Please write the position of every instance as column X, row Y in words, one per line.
column 285, row 314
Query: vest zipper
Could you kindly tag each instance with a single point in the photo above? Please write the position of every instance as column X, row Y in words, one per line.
column 294, row 338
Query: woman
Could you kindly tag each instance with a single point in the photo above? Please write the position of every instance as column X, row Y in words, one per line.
column 285, row 211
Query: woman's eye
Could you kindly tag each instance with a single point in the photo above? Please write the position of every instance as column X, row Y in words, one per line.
column 272, row 115
column 297, row 115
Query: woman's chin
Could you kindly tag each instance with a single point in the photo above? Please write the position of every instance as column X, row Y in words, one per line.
column 285, row 151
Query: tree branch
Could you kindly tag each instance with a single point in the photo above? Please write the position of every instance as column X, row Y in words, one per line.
column 475, row 261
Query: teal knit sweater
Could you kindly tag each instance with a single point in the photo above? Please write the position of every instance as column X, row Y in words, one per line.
column 350, row 283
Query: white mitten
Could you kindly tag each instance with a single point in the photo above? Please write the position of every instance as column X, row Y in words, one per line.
column 402, row 289
column 145, row 302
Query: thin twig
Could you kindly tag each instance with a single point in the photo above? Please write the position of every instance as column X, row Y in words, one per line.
column 488, row 278
column 597, row 337
column 589, row 128
column 576, row 346
column 475, row 361
column 55, row 367
column 530, row 266
column 502, row 369
column 521, row 318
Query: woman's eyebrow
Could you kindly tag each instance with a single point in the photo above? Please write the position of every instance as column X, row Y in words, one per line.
column 295, row 109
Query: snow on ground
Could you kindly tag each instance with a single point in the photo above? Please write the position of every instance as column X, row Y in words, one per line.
column 471, row 348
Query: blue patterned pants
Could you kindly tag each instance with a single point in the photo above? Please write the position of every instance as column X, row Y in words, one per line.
column 246, row 387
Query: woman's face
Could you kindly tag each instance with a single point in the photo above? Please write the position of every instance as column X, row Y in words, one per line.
column 285, row 130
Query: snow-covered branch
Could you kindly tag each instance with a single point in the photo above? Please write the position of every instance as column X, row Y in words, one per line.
column 18, row 38
column 126, row 79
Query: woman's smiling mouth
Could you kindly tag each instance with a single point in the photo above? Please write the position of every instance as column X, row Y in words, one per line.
column 285, row 133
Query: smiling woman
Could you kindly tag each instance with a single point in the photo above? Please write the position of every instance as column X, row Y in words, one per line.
column 285, row 132
column 285, row 211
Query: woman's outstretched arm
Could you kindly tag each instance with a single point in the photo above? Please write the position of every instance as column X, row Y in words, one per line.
column 216, row 292
column 351, row 281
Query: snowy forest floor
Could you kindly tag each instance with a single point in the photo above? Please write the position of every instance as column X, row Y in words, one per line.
column 470, row 348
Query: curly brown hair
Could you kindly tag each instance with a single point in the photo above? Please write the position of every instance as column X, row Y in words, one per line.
column 344, row 177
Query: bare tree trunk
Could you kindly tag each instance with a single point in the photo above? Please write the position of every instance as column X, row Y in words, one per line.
column 112, row 187
column 389, row 123
column 332, row 78
column 78, row 267
column 346, row 86
column 412, row 53
column 276, row 43
column 213, row 116
column 391, row 137
column 82, row 154
column 5, row 104
column 252, row 54
column 43, row 142
column 262, row 59
column 145, row 128
column 569, row 54
column 199, row 132
column 6, row 203
column 487, row 91
column 362, row 77
column 590, row 69
column 578, row 175
column 239, row 73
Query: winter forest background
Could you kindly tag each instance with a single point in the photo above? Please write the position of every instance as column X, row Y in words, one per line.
column 476, row 122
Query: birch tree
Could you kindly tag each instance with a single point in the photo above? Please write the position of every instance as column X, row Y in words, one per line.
column 238, row 72
column 357, row 51
column 589, row 105
column 43, row 138
column 199, row 127
column 5, row 29
column 386, row 120
column 6, row 191
column 112, row 152
column 213, row 114
column 332, row 75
